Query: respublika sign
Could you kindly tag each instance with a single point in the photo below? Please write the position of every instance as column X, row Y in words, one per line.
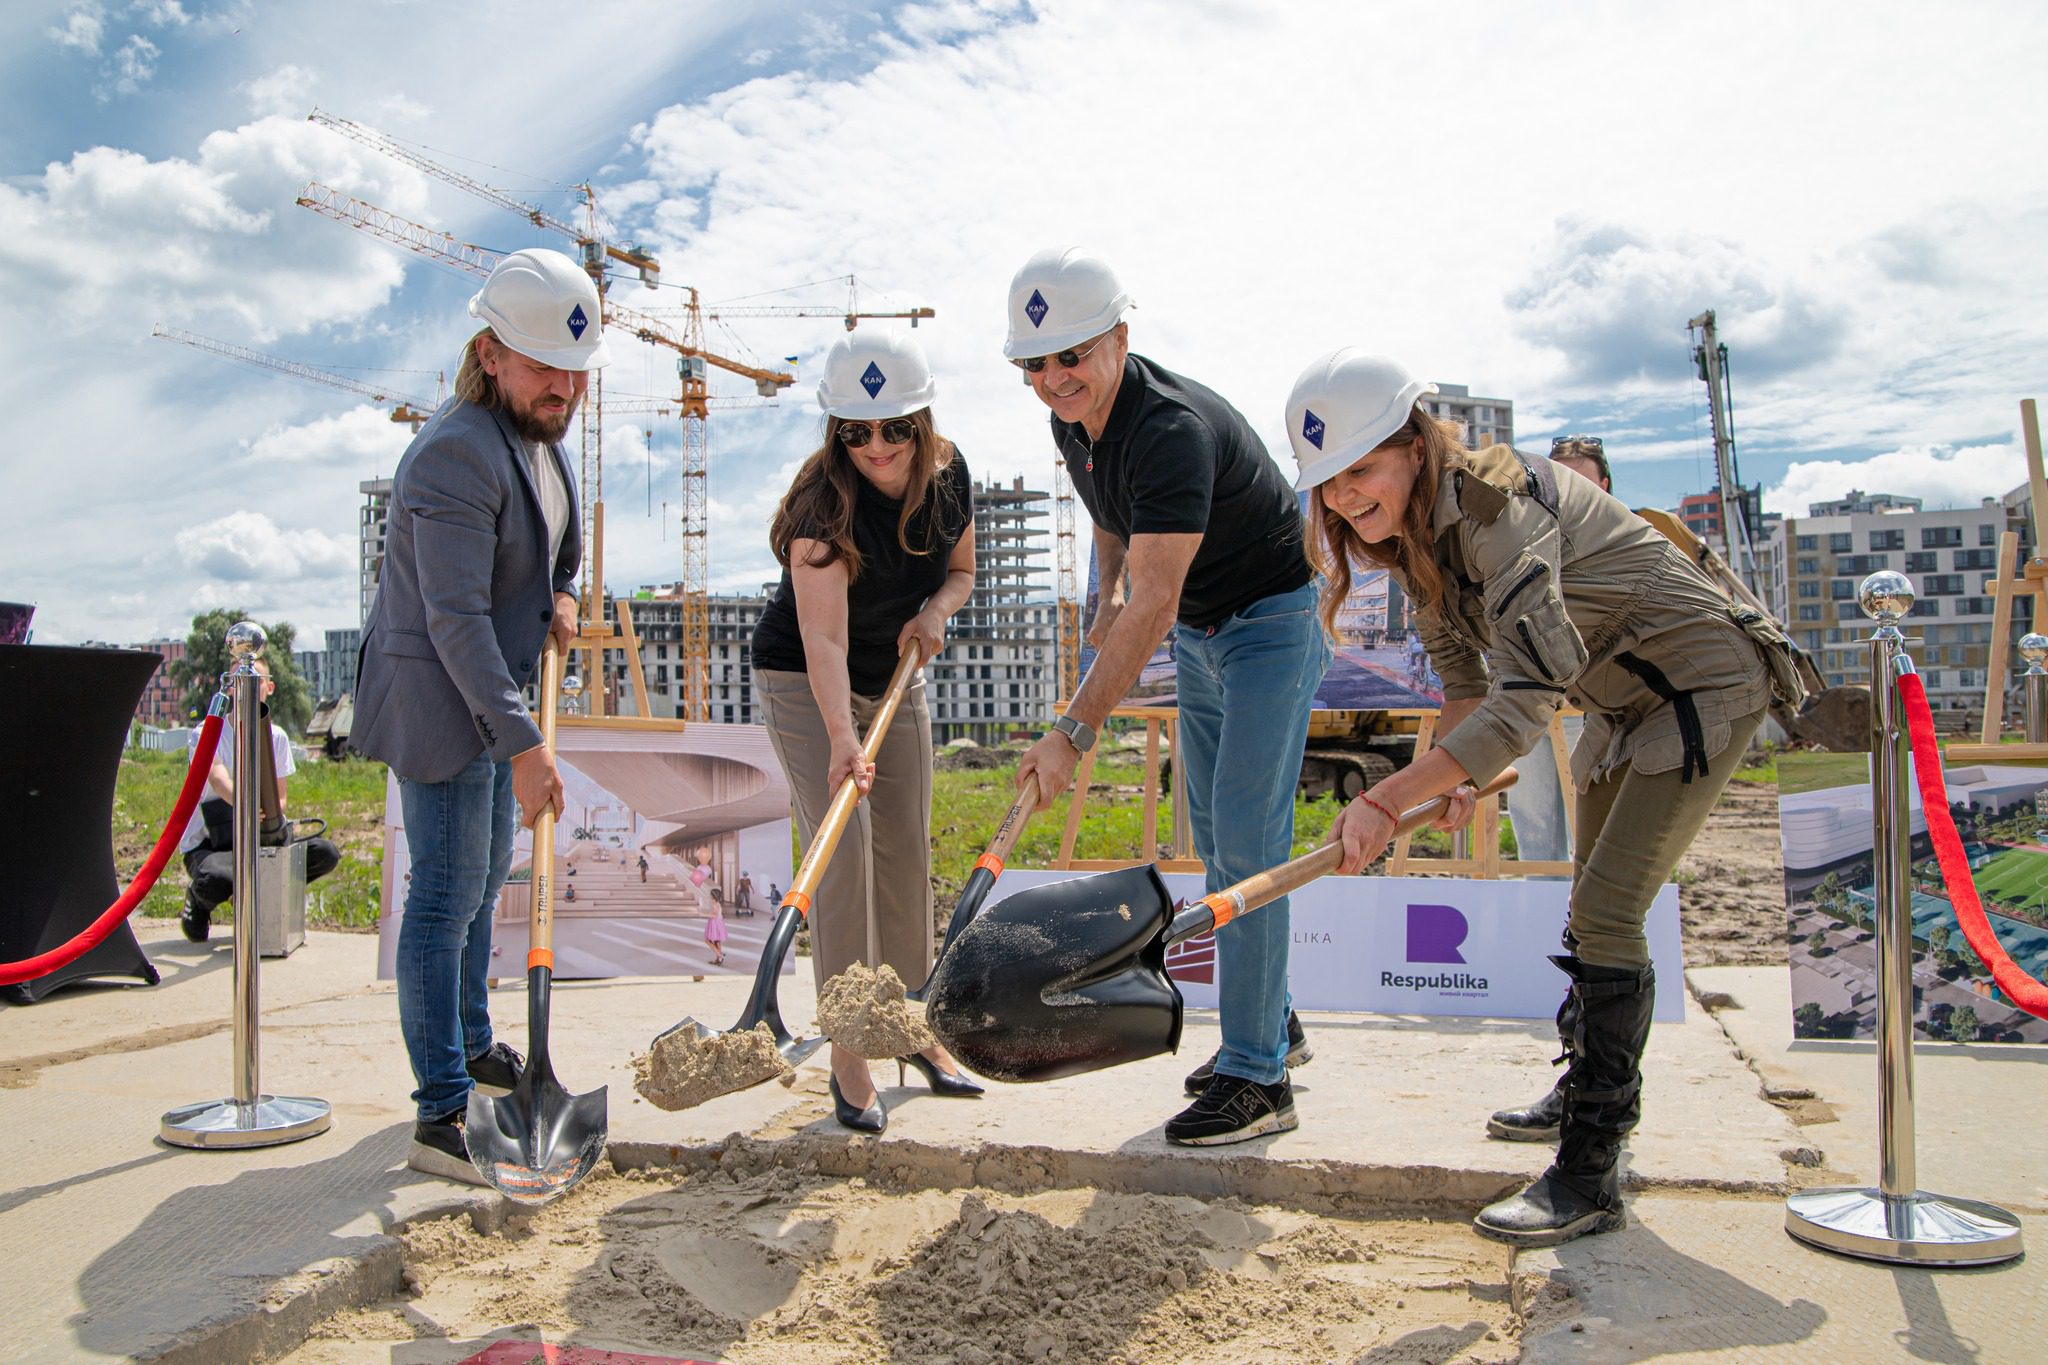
column 1415, row 945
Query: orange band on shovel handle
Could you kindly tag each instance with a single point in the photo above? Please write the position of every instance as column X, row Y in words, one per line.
column 799, row 900
column 540, row 957
column 991, row 862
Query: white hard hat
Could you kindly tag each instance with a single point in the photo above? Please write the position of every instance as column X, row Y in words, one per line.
column 874, row 375
column 1345, row 404
column 1063, row 296
column 543, row 305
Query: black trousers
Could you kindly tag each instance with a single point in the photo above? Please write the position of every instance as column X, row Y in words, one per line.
column 212, row 870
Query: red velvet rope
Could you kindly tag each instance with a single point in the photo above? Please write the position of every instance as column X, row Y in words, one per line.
column 42, row 964
column 2025, row 992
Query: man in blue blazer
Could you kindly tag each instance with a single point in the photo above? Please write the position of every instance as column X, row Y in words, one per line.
column 481, row 553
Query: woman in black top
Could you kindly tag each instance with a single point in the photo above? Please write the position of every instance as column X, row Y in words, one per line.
column 876, row 539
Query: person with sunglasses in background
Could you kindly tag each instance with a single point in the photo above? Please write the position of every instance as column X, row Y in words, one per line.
column 1585, row 456
column 876, row 540
column 1186, row 501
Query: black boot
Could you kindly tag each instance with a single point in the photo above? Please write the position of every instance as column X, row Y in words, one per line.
column 1539, row 1122
column 1603, row 1083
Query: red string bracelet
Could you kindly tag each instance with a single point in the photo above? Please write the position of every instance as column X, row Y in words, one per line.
column 1392, row 818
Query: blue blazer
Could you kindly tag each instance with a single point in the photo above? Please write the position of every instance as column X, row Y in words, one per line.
column 464, row 602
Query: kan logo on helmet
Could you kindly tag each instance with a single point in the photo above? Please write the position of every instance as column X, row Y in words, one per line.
column 578, row 320
column 1036, row 308
column 1312, row 428
column 872, row 379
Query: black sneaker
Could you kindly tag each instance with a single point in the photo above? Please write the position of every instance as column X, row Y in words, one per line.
column 496, row 1069
column 438, row 1148
column 1298, row 1054
column 195, row 919
column 1232, row 1109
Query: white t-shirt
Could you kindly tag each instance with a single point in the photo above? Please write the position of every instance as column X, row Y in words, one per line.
column 554, row 497
column 280, row 753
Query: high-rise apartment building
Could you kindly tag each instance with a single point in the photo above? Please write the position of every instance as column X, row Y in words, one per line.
column 1486, row 421
column 162, row 701
column 331, row 670
column 1949, row 554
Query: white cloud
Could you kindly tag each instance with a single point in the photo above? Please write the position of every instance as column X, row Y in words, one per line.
column 131, row 67
column 363, row 438
column 244, row 547
column 287, row 90
column 84, row 26
column 161, row 13
column 1943, row 476
column 111, row 237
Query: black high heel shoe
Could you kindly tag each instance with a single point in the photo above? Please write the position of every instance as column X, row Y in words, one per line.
column 872, row 1119
column 952, row 1086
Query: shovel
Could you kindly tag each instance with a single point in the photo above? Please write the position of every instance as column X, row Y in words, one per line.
column 982, row 879
column 1069, row 978
column 762, row 1005
column 536, row 1143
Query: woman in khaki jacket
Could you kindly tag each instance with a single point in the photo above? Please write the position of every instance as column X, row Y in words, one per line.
column 1531, row 591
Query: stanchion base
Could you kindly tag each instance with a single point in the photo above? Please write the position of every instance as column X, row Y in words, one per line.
column 1915, row 1229
column 271, row 1120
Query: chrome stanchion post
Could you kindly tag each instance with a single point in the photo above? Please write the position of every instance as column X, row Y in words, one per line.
column 248, row 1118
column 2034, row 683
column 1897, row 1222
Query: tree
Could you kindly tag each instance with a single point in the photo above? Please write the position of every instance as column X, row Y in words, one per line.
column 1806, row 1021
column 206, row 658
column 1962, row 1024
column 1937, row 939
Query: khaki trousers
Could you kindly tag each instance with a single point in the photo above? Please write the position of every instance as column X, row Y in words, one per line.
column 1632, row 829
column 874, row 904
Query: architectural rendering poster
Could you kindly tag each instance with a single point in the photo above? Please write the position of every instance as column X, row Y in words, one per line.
column 1824, row 822
column 1380, row 663
column 673, row 853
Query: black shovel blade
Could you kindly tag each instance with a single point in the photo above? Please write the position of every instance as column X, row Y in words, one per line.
column 1059, row 980
column 535, row 1144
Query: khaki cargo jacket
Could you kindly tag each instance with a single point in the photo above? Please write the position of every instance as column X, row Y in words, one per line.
column 1555, row 592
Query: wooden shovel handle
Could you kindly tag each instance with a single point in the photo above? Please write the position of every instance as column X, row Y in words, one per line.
column 1262, row 887
column 1012, row 828
column 826, row 838
column 540, row 913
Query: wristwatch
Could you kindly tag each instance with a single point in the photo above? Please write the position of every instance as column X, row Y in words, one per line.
column 1078, row 735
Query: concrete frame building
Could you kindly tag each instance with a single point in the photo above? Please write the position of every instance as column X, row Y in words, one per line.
column 1486, row 421
column 1950, row 554
column 994, row 677
column 370, row 541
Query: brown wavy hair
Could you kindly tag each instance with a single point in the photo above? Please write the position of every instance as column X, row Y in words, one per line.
column 822, row 496
column 1335, row 548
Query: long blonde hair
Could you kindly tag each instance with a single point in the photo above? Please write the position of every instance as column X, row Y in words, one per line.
column 1335, row 548
column 473, row 383
column 823, row 492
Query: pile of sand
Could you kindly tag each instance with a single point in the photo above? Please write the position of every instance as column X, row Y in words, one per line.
column 865, row 1012
column 683, row 1070
column 800, row 1269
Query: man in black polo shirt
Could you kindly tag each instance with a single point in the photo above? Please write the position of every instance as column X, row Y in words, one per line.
column 1186, row 500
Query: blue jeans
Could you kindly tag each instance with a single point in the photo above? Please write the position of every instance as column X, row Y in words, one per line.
column 460, row 835
column 1245, row 691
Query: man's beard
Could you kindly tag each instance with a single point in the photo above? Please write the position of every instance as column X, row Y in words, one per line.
column 541, row 428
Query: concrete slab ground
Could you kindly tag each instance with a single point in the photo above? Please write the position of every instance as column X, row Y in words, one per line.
column 114, row 1246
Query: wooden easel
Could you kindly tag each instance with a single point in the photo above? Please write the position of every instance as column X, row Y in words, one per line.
column 596, row 635
column 1160, row 722
column 1484, row 861
column 2004, row 589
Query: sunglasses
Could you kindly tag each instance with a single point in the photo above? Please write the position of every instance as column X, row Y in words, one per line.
column 1068, row 359
column 897, row 430
column 1558, row 443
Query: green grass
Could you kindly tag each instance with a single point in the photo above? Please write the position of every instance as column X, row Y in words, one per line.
column 349, row 796
column 2014, row 878
column 1812, row 772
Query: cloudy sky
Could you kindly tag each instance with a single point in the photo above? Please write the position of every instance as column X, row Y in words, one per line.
column 1530, row 200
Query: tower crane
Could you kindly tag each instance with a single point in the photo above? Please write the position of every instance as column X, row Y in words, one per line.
column 852, row 315
column 693, row 364
column 1738, row 537
column 407, row 409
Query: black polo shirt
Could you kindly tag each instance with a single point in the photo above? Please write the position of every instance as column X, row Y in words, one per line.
column 1174, row 458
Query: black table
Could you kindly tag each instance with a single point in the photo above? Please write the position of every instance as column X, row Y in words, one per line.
column 64, row 716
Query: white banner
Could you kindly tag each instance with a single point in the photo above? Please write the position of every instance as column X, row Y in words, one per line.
column 1416, row 945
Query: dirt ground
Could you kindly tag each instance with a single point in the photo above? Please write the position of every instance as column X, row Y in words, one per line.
column 796, row 1268
column 1731, row 886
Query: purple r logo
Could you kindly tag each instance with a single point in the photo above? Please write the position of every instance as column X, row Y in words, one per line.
column 1434, row 933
